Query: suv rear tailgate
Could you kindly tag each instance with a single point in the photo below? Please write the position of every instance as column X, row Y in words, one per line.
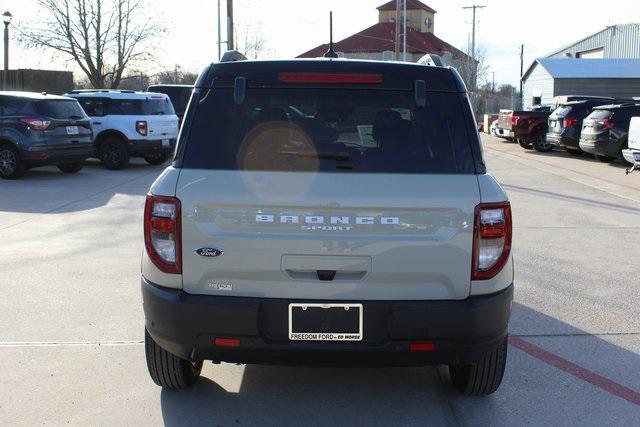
column 400, row 237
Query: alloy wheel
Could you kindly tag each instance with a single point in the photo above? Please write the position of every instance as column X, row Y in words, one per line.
column 8, row 162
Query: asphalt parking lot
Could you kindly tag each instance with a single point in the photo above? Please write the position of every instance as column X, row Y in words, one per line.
column 71, row 322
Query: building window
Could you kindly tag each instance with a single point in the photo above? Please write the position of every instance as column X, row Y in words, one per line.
column 591, row 54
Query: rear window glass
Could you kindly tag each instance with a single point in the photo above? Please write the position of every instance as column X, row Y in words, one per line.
column 140, row 107
column 329, row 130
column 600, row 114
column 179, row 95
column 561, row 112
column 59, row 109
column 12, row 106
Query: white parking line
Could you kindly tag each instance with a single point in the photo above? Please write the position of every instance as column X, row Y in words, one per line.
column 70, row 343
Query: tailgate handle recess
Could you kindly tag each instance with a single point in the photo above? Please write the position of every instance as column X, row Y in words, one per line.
column 326, row 275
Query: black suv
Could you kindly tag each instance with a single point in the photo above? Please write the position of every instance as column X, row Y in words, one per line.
column 41, row 130
column 606, row 130
column 179, row 95
column 565, row 123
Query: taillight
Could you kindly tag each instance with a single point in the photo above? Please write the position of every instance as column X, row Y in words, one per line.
column 606, row 124
column 491, row 239
column 142, row 128
column 570, row 122
column 330, row 78
column 162, row 230
column 36, row 123
column 515, row 120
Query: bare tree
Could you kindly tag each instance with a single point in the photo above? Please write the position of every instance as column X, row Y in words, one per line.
column 103, row 37
column 176, row 76
column 251, row 42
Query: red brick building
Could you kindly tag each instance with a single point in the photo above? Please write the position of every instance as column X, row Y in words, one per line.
column 373, row 42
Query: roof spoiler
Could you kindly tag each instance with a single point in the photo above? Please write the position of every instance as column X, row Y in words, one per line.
column 232, row 56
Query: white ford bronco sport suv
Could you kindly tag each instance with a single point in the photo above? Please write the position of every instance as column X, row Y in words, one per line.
column 130, row 124
column 328, row 211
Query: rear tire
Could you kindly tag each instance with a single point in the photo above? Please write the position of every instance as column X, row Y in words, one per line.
column 541, row 145
column 167, row 370
column 573, row 151
column 157, row 159
column 113, row 154
column 525, row 144
column 11, row 165
column 605, row 159
column 72, row 167
column 482, row 377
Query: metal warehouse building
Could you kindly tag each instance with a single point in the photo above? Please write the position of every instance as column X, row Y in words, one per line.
column 616, row 41
column 550, row 77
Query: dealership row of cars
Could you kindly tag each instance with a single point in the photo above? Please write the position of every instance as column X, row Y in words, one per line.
column 606, row 128
column 38, row 129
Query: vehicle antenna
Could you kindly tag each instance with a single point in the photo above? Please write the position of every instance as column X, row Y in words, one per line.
column 331, row 53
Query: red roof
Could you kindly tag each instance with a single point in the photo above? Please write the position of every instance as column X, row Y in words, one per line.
column 380, row 38
column 411, row 5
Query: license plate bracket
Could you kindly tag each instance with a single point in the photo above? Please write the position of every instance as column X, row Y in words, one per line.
column 166, row 143
column 72, row 130
column 325, row 322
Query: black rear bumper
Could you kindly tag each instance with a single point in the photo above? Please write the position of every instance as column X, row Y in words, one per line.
column 462, row 331
column 144, row 147
column 53, row 156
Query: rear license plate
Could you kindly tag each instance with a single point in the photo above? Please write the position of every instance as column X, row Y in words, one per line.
column 325, row 322
column 166, row 143
column 636, row 157
column 72, row 130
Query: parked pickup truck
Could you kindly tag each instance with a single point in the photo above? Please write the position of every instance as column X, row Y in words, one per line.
column 504, row 125
column 528, row 128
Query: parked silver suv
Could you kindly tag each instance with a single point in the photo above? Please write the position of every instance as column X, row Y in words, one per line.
column 328, row 211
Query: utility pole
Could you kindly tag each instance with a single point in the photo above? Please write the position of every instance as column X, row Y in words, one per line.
column 473, row 42
column 219, row 34
column 397, row 38
column 521, row 73
column 404, row 37
column 230, row 24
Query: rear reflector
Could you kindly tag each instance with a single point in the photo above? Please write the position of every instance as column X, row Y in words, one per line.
column 422, row 346
column 227, row 342
column 371, row 79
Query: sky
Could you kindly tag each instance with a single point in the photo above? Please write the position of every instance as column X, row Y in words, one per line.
column 293, row 27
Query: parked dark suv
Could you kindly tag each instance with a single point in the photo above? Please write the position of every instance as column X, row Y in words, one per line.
column 40, row 130
column 565, row 123
column 606, row 130
column 179, row 95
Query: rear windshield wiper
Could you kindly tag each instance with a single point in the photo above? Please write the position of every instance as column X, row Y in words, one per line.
column 74, row 117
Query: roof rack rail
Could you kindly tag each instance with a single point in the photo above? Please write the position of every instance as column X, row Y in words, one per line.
column 102, row 91
column 232, row 56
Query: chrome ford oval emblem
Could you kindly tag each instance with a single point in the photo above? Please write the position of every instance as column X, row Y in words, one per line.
column 209, row 252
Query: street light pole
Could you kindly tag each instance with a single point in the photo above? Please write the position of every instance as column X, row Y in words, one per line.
column 6, row 18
